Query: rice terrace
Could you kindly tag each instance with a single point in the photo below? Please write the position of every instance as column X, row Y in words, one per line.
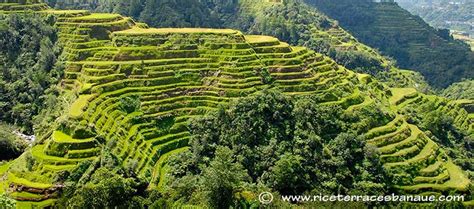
column 157, row 107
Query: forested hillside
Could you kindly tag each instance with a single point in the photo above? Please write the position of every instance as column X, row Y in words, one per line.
column 407, row 38
column 28, row 78
column 27, row 62
column 452, row 14
column 210, row 118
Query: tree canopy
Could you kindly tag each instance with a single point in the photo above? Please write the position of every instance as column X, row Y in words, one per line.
column 28, row 74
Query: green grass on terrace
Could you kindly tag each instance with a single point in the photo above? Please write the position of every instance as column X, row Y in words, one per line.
column 381, row 130
column 77, row 108
column 260, row 39
column 3, row 169
column 441, row 177
column 61, row 137
column 457, row 180
column 96, row 16
column 144, row 31
column 38, row 153
column 399, row 94
column 21, row 181
column 429, row 150
column 65, row 12
column 463, row 102
column 431, row 168
column 394, row 147
column 26, row 195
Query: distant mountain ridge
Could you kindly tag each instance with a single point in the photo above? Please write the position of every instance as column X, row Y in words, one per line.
column 451, row 14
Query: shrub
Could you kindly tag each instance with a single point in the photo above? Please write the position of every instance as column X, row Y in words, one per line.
column 6, row 202
column 130, row 104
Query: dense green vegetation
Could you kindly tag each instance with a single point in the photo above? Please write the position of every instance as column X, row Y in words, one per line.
column 461, row 90
column 288, row 150
column 176, row 117
column 28, row 55
column 454, row 15
column 398, row 34
column 7, row 202
column 110, row 186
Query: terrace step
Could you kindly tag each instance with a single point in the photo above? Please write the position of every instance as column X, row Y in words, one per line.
column 433, row 169
column 57, row 168
column 416, row 138
column 457, row 181
column 389, row 128
column 15, row 180
column 439, row 179
column 92, row 18
column 429, row 150
column 62, row 138
column 402, row 94
column 403, row 154
column 83, row 153
column 39, row 154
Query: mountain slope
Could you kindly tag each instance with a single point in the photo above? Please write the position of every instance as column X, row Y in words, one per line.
column 296, row 23
column 461, row 90
column 407, row 38
column 454, row 15
column 137, row 87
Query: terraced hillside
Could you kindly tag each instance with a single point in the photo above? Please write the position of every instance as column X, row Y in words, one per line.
column 414, row 101
column 406, row 37
column 136, row 88
column 306, row 27
column 232, row 14
column 418, row 149
column 8, row 6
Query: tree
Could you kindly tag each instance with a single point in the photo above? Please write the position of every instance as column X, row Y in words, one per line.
column 6, row 202
column 222, row 178
column 105, row 189
column 130, row 104
column 289, row 176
